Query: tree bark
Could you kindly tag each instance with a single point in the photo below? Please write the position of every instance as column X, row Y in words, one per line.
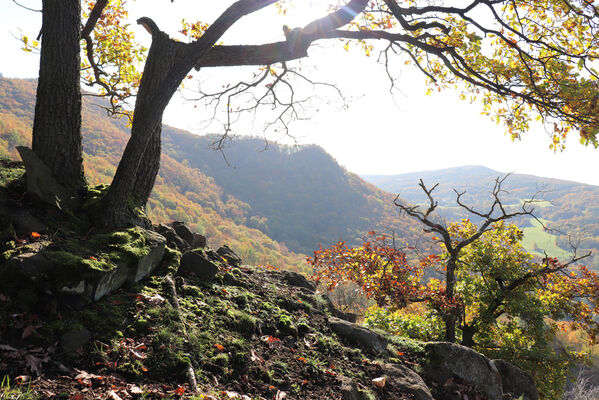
column 57, row 121
column 137, row 170
column 450, row 318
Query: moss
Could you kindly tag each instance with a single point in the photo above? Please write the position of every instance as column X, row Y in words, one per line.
column 221, row 359
column 242, row 322
column 285, row 324
column 171, row 260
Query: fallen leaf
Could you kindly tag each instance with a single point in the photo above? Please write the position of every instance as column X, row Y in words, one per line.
column 280, row 395
column 379, row 382
column 220, row 347
column 113, row 396
column 179, row 391
column 135, row 391
column 34, row 235
column 28, row 331
column 256, row 358
column 232, row 395
column 21, row 379
column 34, row 364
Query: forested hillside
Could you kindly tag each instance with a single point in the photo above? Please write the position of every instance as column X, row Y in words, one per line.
column 297, row 195
column 300, row 197
column 181, row 193
column 571, row 208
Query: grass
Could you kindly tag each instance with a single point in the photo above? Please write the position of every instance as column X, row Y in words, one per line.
column 536, row 240
column 9, row 391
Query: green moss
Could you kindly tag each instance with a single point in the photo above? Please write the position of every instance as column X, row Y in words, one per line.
column 171, row 260
column 221, row 359
column 285, row 324
column 242, row 322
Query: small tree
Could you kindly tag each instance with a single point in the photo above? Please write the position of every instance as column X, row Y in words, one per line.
column 495, row 297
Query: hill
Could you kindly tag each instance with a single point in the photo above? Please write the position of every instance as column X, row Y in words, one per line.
column 181, row 193
column 270, row 205
column 571, row 208
column 298, row 195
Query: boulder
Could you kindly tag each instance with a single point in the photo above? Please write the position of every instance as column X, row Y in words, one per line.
column 516, row 382
column 74, row 339
column 41, row 182
column 409, row 380
column 199, row 241
column 24, row 223
column 183, row 232
column 196, row 262
column 172, row 239
column 156, row 244
column 298, row 280
column 229, row 255
column 445, row 361
column 355, row 333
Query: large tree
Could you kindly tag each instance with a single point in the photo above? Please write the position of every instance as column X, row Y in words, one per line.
column 521, row 59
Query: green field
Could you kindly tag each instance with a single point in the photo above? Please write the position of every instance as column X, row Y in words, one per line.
column 536, row 240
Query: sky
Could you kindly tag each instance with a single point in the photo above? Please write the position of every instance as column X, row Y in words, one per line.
column 372, row 132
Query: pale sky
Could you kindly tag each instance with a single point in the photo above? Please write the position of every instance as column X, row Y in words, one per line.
column 375, row 134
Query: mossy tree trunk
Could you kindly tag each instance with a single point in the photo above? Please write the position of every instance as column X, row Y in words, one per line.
column 57, row 120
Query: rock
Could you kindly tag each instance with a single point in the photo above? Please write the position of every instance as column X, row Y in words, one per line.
column 349, row 389
column 172, row 239
column 41, row 182
column 516, row 382
column 24, row 223
column 109, row 281
column 295, row 279
column 448, row 360
column 74, row 339
column 358, row 334
column 409, row 380
column 149, row 262
column 199, row 241
column 197, row 263
column 229, row 255
column 183, row 232
column 347, row 316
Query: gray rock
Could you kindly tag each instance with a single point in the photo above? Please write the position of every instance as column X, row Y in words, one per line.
column 33, row 265
column 295, row 279
column 149, row 262
column 25, row 223
column 183, row 232
column 172, row 239
column 447, row 360
column 199, row 241
column 73, row 340
column 409, row 380
column 515, row 381
column 229, row 255
column 350, row 390
column 109, row 281
column 358, row 334
column 197, row 263
column 41, row 182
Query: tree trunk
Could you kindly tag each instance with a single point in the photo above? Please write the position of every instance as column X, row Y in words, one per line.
column 450, row 318
column 468, row 335
column 136, row 173
column 57, row 121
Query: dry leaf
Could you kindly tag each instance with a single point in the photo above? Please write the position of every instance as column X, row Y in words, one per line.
column 113, row 396
column 379, row 382
column 280, row 395
column 28, row 331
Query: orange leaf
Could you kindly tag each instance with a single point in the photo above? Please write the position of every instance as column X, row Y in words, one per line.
column 179, row 391
column 220, row 347
column 34, row 235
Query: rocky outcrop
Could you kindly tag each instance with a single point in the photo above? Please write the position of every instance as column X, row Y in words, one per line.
column 516, row 382
column 199, row 263
column 355, row 333
column 85, row 270
column 447, row 361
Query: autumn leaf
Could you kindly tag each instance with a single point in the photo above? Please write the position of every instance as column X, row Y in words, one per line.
column 220, row 347
column 179, row 391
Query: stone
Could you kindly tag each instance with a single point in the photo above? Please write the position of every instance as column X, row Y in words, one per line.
column 172, row 239
column 448, row 360
column 347, row 316
column 409, row 380
column 183, row 231
column 298, row 280
column 197, row 263
column 74, row 339
column 110, row 281
column 149, row 262
column 24, row 223
column 516, row 382
column 41, row 182
column 199, row 241
column 229, row 255
column 358, row 334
